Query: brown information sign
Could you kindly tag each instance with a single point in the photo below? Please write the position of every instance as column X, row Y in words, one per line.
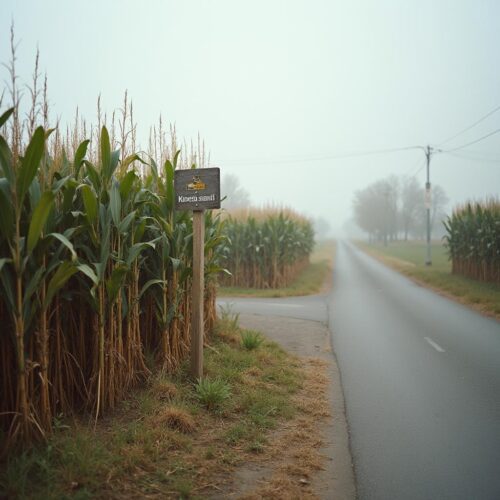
column 197, row 189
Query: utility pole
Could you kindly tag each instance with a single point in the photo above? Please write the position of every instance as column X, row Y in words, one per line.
column 428, row 203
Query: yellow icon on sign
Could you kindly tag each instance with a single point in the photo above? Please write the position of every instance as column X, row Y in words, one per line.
column 197, row 184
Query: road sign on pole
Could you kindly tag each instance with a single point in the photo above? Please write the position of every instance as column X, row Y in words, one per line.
column 428, row 197
column 198, row 190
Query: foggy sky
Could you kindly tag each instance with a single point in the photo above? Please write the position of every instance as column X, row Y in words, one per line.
column 279, row 88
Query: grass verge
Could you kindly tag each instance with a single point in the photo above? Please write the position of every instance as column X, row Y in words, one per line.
column 315, row 278
column 409, row 259
column 173, row 439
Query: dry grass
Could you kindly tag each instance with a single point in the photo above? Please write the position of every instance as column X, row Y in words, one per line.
column 293, row 454
column 253, row 371
column 176, row 419
column 164, row 390
column 161, row 443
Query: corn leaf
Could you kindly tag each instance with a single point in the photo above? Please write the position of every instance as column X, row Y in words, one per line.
column 8, row 288
column 92, row 174
column 115, row 203
column 126, row 221
column 79, row 156
column 4, row 261
column 32, row 285
column 87, row 270
column 64, row 240
column 136, row 249
column 129, row 160
column 149, row 284
column 105, row 153
column 6, row 161
column 114, row 283
column 90, row 203
column 58, row 280
column 39, row 218
column 5, row 116
column 6, row 210
column 126, row 184
column 169, row 174
column 30, row 163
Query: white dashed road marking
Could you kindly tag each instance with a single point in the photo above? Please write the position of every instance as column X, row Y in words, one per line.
column 434, row 344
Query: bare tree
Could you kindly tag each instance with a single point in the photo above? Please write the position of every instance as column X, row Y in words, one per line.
column 391, row 205
column 376, row 209
column 236, row 196
column 411, row 199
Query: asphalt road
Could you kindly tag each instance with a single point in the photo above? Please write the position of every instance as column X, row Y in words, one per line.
column 312, row 307
column 421, row 380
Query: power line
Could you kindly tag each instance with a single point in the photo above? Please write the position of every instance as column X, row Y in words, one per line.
column 339, row 156
column 418, row 165
column 471, row 126
column 419, row 169
column 319, row 158
column 474, row 158
column 472, row 142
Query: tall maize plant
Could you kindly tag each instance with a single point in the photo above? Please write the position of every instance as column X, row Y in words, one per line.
column 473, row 240
column 95, row 273
column 268, row 247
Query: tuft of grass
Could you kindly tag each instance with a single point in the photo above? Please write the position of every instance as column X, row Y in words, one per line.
column 164, row 389
column 212, row 393
column 239, row 432
column 228, row 317
column 227, row 329
column 177, row 419
column 251, row 339
column 256, row 447
column 184, row 487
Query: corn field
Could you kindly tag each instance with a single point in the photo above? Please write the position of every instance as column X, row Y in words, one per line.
column 95, row 276
column 473, row 240
column 269, row 247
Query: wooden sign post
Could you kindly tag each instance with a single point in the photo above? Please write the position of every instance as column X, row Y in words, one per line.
column 197, row 319
column 197, row 190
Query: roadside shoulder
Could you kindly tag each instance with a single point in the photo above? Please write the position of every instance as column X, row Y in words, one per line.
column 310, row 340
column 479, row 296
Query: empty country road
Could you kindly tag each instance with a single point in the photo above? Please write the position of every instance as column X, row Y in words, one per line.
column 421, row 378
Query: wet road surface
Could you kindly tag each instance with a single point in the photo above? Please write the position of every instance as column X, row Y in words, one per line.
column 421, row 380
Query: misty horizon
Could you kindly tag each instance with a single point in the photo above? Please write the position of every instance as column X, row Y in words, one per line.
column 300, row 101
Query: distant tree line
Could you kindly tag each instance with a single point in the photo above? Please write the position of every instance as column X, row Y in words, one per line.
column 394, row 208
column 233, row 195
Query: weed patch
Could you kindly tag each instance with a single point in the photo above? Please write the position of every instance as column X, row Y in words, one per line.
column 171, row 438
column 212, row 393
column 251, row 340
